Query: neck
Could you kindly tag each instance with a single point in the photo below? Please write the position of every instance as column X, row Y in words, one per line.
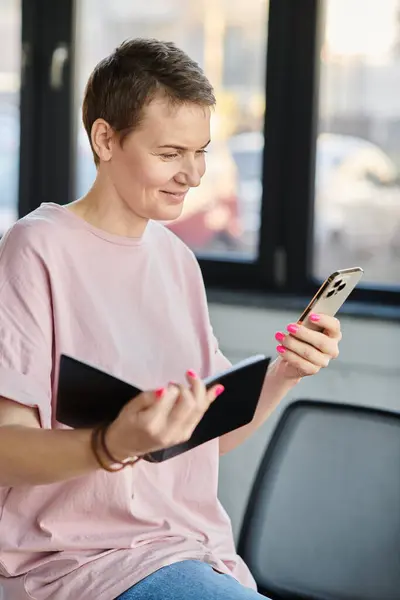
column 103, row 208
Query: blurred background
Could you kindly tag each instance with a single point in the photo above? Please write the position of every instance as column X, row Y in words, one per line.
column 356, row 186
column 303, row 171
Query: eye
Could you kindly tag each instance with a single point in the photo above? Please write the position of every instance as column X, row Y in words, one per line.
column 170, row 156
column 202, row 151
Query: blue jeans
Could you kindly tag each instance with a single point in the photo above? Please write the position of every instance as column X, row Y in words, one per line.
column 189, row 580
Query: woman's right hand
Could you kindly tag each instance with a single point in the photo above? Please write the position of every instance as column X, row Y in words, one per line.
column 156, row 420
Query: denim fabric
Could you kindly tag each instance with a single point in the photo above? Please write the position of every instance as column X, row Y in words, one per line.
column 189, row 580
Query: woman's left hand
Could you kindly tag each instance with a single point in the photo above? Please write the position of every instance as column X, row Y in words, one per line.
column 304, row 351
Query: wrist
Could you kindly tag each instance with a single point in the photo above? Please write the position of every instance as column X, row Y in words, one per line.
column 84, row 439
column 102, row 454
column 113, row 449
column 282, row 374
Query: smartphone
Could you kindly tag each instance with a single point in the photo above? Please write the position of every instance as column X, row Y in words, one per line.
column 331, row 295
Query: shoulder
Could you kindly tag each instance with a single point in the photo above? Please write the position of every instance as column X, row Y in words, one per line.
column 27, row 239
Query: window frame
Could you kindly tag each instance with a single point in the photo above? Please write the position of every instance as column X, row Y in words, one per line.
column 284, row 264
column 283, row 267
column 46, row 159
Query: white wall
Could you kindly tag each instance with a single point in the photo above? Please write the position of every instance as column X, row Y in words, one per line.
column 367, row 372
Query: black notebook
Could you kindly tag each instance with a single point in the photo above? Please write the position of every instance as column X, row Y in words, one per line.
column 88, row 396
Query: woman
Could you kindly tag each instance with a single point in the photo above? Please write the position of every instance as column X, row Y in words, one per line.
column 101, row 280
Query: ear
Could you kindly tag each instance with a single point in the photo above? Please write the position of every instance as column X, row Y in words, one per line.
column 102, row 137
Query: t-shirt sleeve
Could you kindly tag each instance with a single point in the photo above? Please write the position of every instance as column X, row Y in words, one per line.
column 220, row 362
column 26, row 330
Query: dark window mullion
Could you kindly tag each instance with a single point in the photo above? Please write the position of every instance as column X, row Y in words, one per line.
column 260, row 275
column 271, row 266
column 45, row 157
column 57, row 104
column 30, row 114
column 301, row 114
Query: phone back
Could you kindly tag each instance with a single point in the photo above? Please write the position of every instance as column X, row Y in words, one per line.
column 332, row 294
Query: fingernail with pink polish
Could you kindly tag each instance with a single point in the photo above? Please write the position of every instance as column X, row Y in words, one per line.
column 159, row 393
column 279, row 336
column 191, row 374
column 292, row 328
column 281, row 349
column 219, row 389
column 315, row 318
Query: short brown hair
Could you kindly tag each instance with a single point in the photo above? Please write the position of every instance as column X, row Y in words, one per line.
column 122, row 84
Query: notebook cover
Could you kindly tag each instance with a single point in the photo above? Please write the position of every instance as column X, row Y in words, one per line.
column 88, row 396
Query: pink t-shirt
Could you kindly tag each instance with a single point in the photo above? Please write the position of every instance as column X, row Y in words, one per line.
column 137, row 309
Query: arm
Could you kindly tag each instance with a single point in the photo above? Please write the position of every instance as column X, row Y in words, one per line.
column 30, row 455
column 30, row 452
column 303, row 353
column 274, row 390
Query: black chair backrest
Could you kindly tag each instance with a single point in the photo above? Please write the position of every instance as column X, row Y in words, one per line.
column 323, row 519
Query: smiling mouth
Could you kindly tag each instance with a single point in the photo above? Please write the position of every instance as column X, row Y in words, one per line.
column 176, row 195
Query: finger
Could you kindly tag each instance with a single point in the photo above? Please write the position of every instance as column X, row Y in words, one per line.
column 197, row 385
column 304, row 351
column 184, row 412
column 330, row 325
column 195, row 401
column 155, row 420
column 144, row 400
column 214, row 392
column 299, row 364
column 200, row 401
column 163, row 402
column 317, row 339
column 203, row 396
column 189, row 409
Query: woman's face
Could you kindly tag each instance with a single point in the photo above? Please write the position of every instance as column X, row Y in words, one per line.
column 157, row 164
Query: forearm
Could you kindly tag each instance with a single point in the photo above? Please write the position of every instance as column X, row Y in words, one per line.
column 274, row 390
column 33, row 456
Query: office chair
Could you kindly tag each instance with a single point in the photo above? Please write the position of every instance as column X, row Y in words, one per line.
column 323, row 519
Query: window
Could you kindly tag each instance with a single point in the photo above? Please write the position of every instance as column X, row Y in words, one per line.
column 357, row 184
column 222, row 216
column 10, row 60
column 303, row 173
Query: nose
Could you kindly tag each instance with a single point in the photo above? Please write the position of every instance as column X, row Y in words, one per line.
column 191, row 173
